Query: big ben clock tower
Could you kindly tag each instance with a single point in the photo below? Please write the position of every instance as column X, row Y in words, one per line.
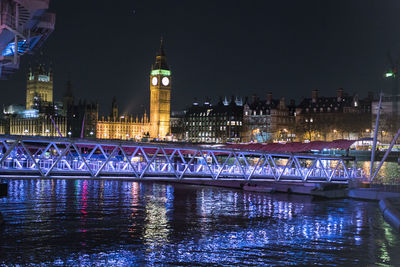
column 160, row 96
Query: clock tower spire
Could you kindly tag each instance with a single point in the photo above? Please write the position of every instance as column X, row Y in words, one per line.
column 160, row 96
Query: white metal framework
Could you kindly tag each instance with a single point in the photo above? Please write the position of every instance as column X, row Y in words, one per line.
column 54, row 157
column 24, row 26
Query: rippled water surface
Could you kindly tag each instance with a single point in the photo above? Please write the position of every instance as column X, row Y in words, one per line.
column 91, row 222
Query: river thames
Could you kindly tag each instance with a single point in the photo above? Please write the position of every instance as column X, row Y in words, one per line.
column 125, row 223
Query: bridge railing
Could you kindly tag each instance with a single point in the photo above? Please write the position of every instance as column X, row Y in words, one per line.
column 47, row 157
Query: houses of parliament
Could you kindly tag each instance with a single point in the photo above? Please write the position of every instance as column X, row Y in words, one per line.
column 157, row 126
column 42, row 116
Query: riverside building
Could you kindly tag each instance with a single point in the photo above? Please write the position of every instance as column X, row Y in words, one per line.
column 330, row 118
column 269, row 120
column 214, row 124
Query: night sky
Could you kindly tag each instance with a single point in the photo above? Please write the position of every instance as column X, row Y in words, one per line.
column 216, row 48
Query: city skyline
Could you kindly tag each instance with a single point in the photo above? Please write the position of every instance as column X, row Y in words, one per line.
column 199, row 133
column 103, row 59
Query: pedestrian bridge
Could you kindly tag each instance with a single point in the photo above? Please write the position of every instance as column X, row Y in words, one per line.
column 65, row 157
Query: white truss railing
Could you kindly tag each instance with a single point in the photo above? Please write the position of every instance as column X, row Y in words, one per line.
column 52, row 157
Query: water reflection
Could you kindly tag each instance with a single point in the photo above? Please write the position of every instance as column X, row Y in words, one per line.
column 93, row 222
column 156, row 229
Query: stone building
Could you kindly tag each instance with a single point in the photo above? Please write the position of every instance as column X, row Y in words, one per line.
column 214, row 124
column 39, row 88
column 268, row 120
column 177, row 125
column 41, row 125
column 330, row 118
column 42, row 116
column 158, row 125
column 160, row 96
column 123, row 127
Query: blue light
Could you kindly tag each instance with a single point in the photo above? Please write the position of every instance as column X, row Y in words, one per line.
column 30, row 113
column 10, row 49
column 23, row 46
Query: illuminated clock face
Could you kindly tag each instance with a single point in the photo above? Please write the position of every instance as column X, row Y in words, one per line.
column 154, row 81
column 165, row 81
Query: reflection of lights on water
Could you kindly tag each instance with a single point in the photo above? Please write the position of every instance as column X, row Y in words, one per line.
column 134, row 207
column 156, row 229
column 326, row 229
column 83, row 210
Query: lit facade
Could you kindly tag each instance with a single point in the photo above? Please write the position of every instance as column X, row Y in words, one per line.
column 123, row 128
column 39, row 88
column 160, row 97
column 158, row 125
column 41, row 116
column 40, row 126
column 330, row 118
column 268, row 120
column 214, row 124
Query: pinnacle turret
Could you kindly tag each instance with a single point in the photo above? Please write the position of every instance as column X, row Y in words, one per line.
column 161, row 59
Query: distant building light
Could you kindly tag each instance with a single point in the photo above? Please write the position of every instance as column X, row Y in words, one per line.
column 43, row 78
column 47, row 130
column 30, row 113
column 91, row 133
column 389, row 74
column 69, row 133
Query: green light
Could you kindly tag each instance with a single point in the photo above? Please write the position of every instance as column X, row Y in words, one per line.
column 389, row 74
column 162, row 72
